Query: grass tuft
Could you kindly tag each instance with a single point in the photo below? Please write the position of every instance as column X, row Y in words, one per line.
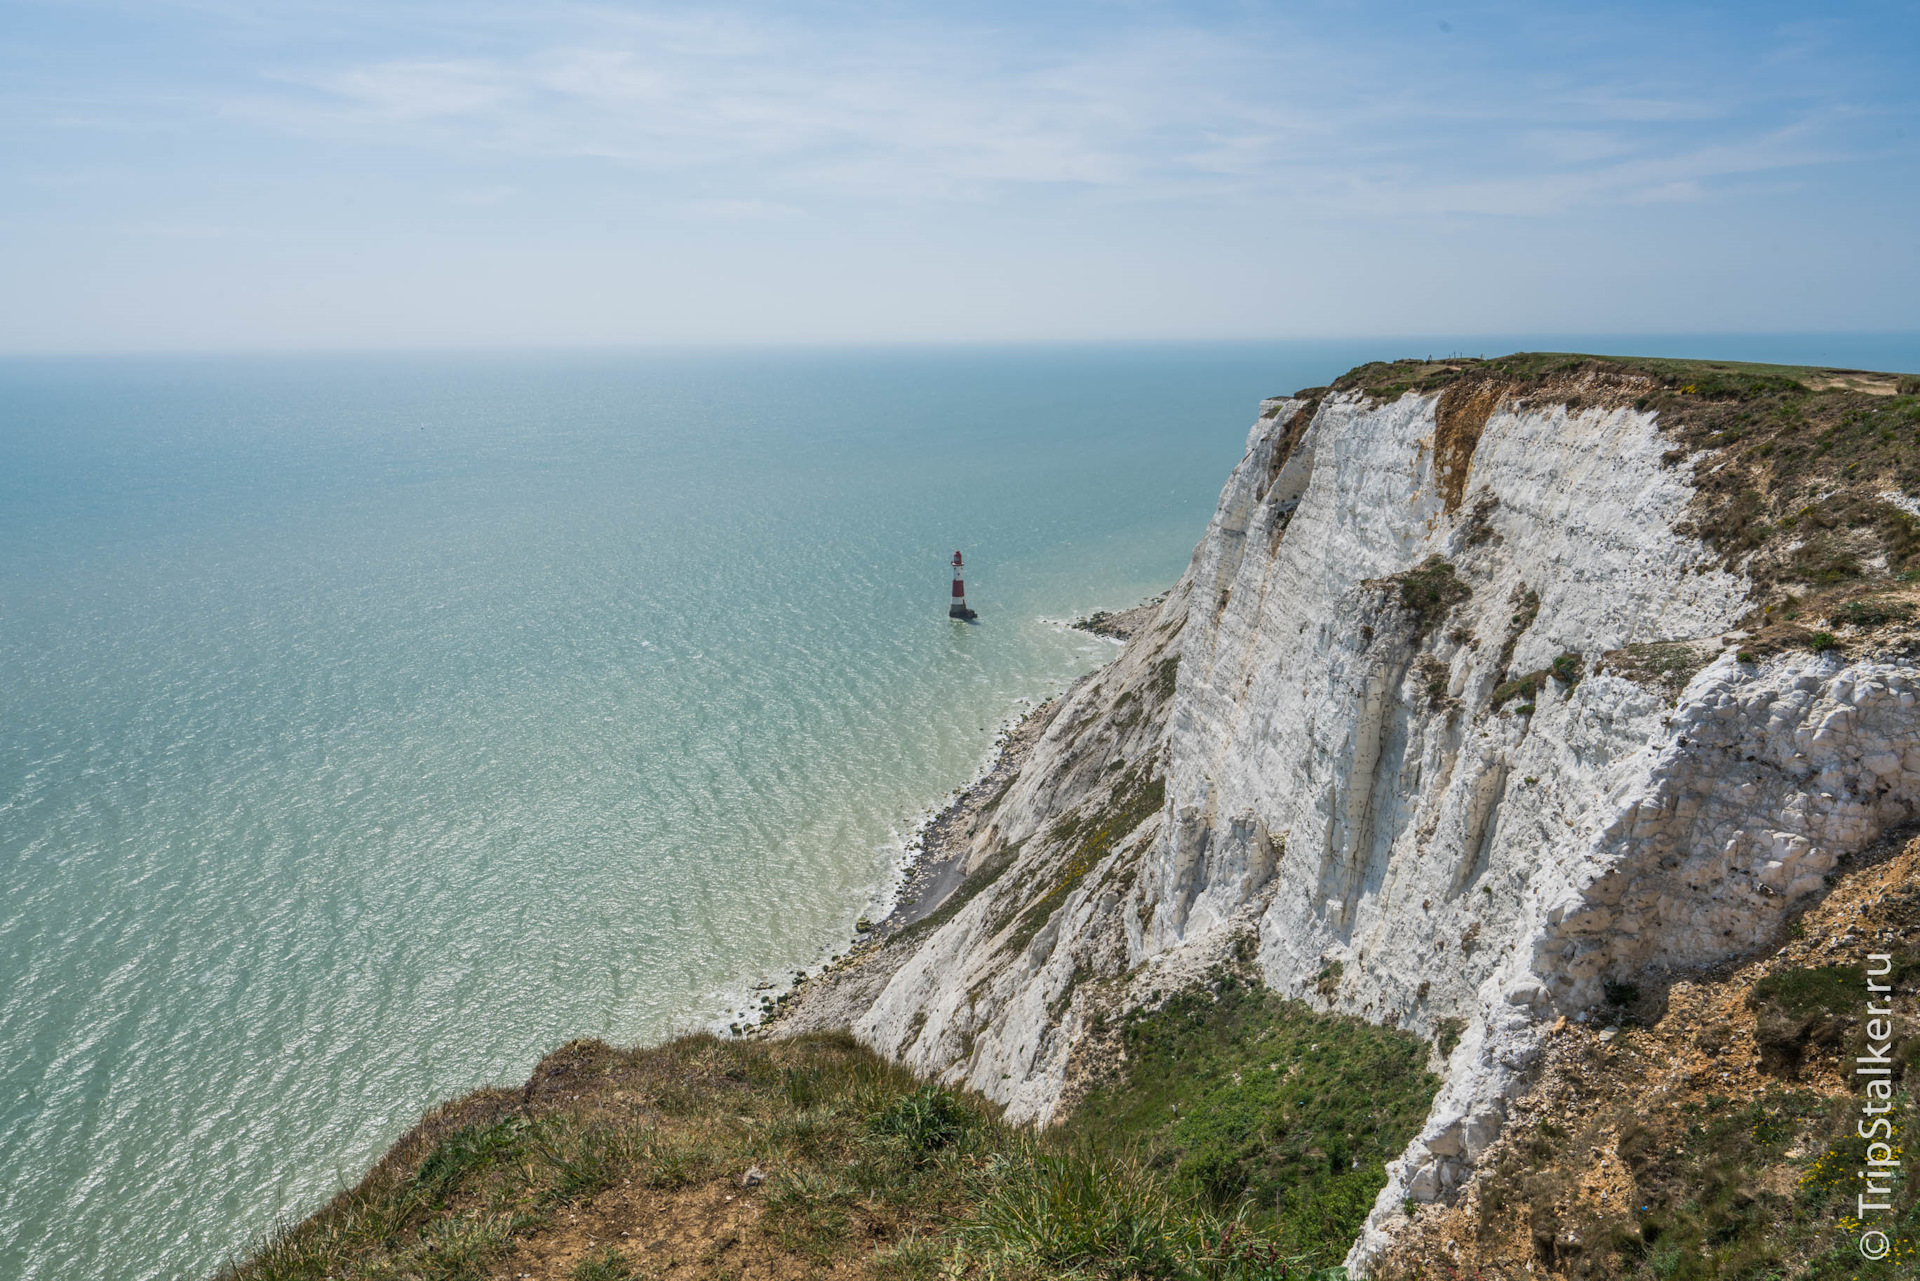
column 1258, row 1106
column 608, row 1265
column 1429, row 591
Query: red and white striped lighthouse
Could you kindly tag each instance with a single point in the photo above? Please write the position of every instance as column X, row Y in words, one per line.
column 959, row 608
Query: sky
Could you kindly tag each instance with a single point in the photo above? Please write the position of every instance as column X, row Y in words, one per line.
column 180, row 175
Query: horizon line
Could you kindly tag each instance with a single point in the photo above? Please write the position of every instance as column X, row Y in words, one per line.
column 663, row 346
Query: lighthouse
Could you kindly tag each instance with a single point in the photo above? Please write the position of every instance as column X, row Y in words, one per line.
column 959, row 607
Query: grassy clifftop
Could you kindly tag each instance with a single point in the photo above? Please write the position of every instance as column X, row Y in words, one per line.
column 727, row 1159
column 1805, row 476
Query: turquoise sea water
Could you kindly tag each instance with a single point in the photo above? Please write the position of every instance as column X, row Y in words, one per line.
column 370, row 725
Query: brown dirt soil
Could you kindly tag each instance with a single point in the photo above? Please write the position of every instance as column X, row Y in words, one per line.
column 706, row 1233
column 1461, row 415
column 1558, row 1185
column 644, row 1152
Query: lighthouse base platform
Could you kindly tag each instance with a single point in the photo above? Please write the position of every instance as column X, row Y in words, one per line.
column 962, row 612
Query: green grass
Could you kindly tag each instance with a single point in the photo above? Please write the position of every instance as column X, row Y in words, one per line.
column 1706, row 379
column 1428, row 591
column 1136, row 797
column 1702, row 1206
column 1831, row 989
column 1567, row 669
column 1796, row 460
column 1092, row 1211
column 608, row 1265
column 1799, row 1011
column 1526, row 688
column 866, row 1165
column 1166, row 673
column 1710, row 1213
column 1668, row 664
column 1260, row 1107
column 1721, row 1188
column 1871, row 612
column 923, row 1122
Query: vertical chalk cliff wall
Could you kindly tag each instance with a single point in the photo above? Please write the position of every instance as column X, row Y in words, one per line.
column 1450, row 709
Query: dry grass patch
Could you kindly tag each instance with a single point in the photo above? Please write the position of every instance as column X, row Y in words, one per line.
column 753, row 1160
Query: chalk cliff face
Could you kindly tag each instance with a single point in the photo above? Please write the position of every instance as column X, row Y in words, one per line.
column 1450, row 708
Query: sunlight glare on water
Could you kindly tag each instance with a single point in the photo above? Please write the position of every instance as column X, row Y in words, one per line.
column 373, row 725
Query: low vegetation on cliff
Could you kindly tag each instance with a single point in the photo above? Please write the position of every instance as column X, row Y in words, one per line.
column 1712, row 1130
column 1244, row 1145
column 1803, row 474
column 1245, row 1099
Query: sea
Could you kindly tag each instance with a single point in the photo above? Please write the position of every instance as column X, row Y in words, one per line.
column 371, row 724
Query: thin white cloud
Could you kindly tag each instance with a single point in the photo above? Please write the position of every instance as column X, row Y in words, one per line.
column 399, row 92
column 741, row 210
column 785, row 113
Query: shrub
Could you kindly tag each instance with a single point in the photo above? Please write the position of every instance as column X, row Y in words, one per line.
column 1871, row 613
column 1085, row 1210
column 917, row 1258
column 1796, row 1009
column 585, row 1158
column 1526, row 688
column 1429, row 591
column 1620, row 993
column 469, row 1149
column 1665, row 664
column 924, row 1121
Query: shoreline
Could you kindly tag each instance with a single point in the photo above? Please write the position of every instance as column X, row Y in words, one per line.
column 936, row 868
column 935, row 864
column 931, row 868
column 934, row 861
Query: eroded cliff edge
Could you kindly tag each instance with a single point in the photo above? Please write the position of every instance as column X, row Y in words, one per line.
column 1492, row 686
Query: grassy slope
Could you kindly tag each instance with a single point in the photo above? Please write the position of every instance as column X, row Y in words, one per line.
column 1244, row 1099
column 616, row 1163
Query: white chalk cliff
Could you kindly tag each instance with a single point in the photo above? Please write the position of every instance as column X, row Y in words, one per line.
column 1334, row 762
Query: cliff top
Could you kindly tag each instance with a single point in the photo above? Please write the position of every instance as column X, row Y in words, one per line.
column 1533, row 371
column 1805, row 475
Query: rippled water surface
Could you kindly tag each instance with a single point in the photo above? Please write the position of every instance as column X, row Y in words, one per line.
column 370, row 725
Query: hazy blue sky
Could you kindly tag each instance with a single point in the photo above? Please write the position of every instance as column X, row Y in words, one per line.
column 214, row 174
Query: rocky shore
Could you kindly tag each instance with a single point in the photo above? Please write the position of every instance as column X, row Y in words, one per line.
column 938, row 861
